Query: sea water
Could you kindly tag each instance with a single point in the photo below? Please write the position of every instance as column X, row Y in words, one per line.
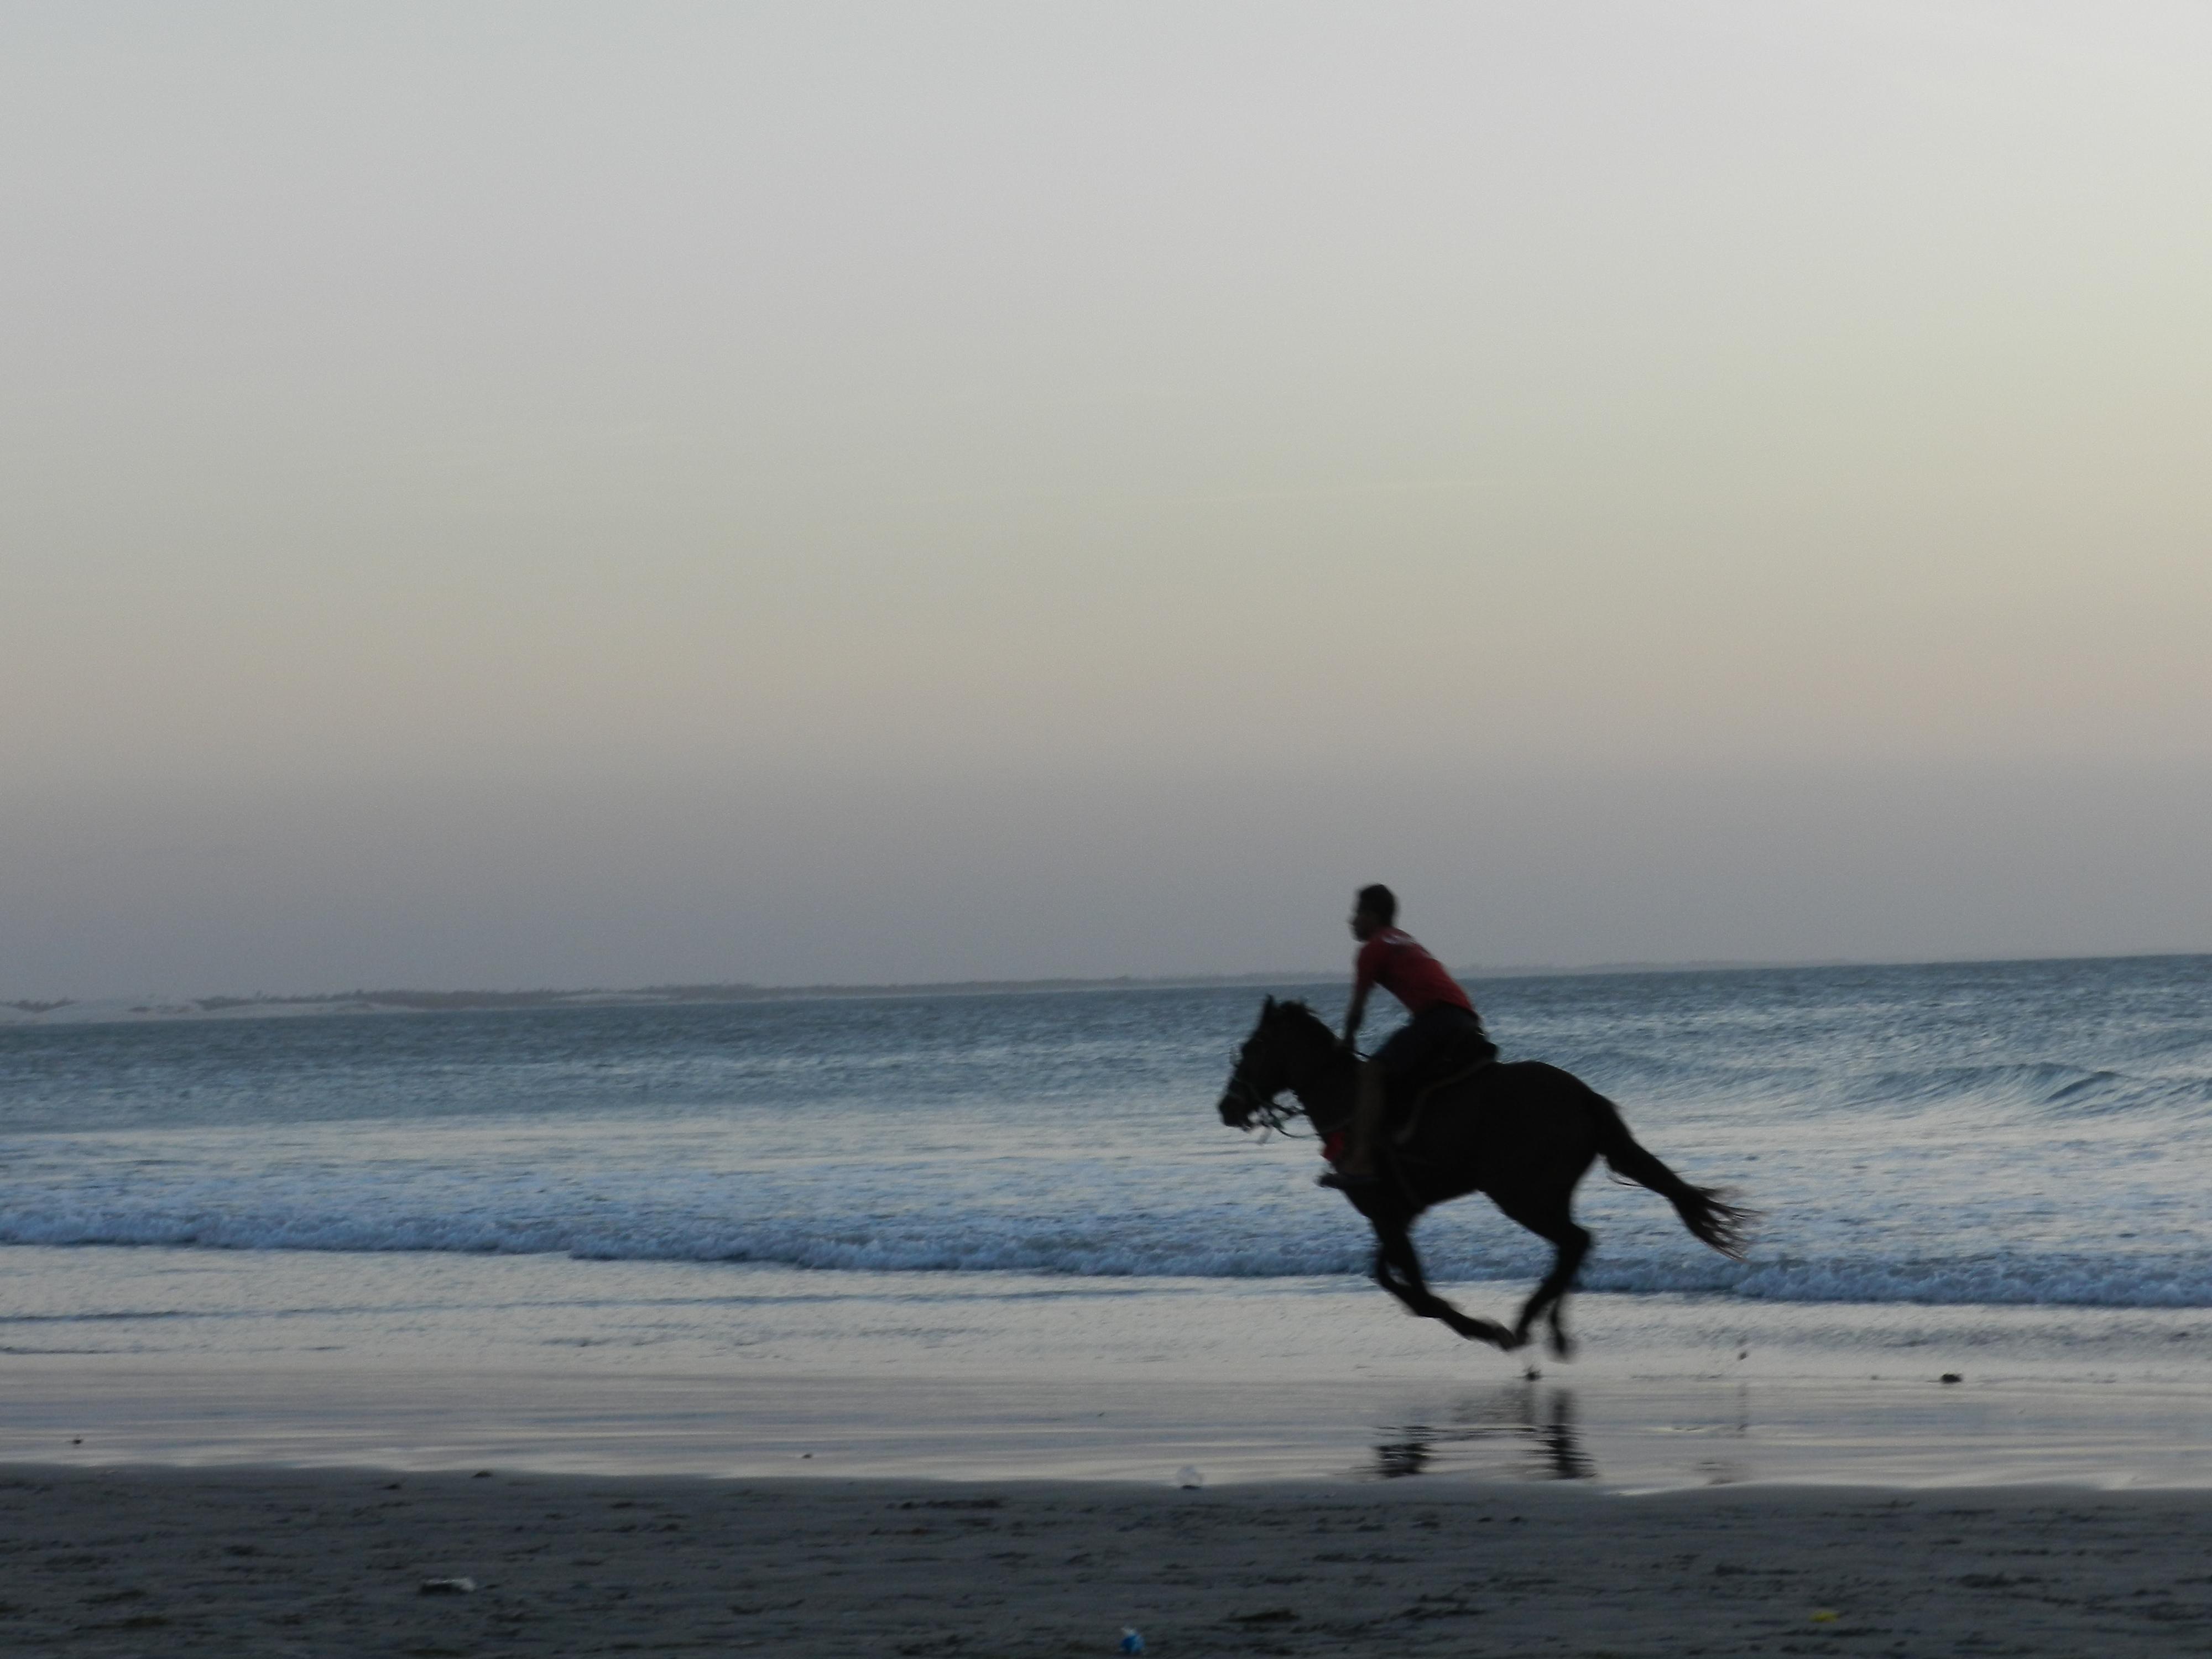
column 2002, row 1154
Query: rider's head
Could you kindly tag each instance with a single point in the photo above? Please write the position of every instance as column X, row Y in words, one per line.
column 1375, row 908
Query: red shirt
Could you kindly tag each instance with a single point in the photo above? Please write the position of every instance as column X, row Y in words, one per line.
column 1393, row 960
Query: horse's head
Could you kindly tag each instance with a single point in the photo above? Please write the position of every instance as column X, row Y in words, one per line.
column 1279, row 1054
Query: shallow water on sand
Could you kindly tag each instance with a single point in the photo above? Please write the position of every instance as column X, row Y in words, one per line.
column 455, row 1313
column 532, row 1362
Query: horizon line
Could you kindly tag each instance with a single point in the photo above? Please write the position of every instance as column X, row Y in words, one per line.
column 425, row 1001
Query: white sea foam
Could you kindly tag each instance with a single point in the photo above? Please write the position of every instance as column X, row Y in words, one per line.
column 1245, row 1221
column 2015, row 1278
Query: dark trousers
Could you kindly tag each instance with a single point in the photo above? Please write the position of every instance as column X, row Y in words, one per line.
column 1440, row 1028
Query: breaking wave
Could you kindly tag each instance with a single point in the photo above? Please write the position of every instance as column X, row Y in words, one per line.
column 1646, row 1255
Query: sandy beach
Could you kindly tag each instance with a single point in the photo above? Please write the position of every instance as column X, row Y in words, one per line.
column 155, row 1508
column 259, row 1561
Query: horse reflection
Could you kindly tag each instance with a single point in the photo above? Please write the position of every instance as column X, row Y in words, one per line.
column 1541, row 1422
column 1396, row 1458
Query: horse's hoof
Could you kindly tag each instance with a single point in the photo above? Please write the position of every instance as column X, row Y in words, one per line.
column 1563, row 1346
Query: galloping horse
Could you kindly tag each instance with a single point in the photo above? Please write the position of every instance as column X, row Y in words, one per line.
column 1523, row 1131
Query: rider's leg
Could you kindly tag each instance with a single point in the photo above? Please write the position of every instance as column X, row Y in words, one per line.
column 1366, row 1120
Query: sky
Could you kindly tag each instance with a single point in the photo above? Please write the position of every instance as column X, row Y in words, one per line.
column 562, row 495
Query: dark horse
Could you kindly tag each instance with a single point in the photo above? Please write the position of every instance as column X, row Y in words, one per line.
column 1523, row 1131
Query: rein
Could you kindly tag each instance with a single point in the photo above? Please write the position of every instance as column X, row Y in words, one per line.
column 1267, row 1113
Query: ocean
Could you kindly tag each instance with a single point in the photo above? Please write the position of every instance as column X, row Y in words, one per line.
column 1957, row 1149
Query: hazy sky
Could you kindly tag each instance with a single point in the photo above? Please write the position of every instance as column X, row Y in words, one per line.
column 554, row 495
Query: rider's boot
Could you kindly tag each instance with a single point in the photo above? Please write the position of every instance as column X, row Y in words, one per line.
column 1357, row 1169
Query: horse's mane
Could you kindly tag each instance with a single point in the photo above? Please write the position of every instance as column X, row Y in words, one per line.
column 1299, row 1025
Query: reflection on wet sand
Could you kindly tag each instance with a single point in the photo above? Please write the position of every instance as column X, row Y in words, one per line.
column 1534, row 1426
column 1726, row 1471
column 1525, row 1430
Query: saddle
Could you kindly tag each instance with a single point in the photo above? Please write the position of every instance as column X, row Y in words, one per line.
column 1472, row 1053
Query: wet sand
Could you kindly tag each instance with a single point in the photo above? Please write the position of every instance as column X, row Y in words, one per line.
column 1621, row 1433
column 248, row 1561
column 152, row 1508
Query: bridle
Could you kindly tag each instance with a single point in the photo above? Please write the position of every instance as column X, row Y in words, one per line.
column 1261, row 1110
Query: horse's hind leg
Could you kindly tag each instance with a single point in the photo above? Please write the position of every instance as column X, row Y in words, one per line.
column 1552, row 1221
column 1555, row 1318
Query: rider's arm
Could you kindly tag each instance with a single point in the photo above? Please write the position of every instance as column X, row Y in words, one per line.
column 1355, row 1014
column 1363, row 982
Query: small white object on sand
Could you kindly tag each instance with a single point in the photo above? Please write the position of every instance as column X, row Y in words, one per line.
column 448, row 1586
column 1188, row 1477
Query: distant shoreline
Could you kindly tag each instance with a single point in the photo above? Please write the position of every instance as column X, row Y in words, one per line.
column 92, row 1010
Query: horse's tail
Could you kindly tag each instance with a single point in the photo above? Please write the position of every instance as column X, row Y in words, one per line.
column 1707, row 1212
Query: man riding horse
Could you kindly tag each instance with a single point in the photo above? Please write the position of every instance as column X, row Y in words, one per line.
column 1536, row 1133
column 1444, row 1023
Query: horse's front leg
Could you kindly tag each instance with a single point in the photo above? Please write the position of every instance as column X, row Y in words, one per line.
column 1398, row 1270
